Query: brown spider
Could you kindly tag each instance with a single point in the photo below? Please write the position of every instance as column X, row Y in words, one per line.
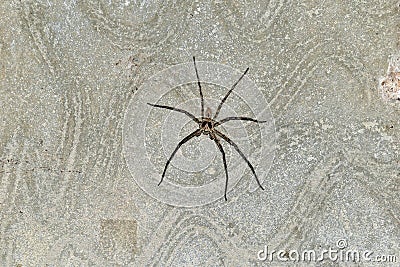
column 207, row 126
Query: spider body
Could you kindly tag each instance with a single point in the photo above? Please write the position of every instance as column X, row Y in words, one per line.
column 207, row 126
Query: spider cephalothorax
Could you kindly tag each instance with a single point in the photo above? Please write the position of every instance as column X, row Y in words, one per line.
column 208, row 126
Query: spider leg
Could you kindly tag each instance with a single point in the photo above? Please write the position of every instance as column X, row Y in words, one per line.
column 201, row 92
column 184, row 140
column 225, row 166
column 178, row 110
column 227, row 94
column 237, row 119
column 235, row 146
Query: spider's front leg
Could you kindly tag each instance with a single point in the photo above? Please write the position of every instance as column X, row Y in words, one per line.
column 187, row 113
column 238, row 119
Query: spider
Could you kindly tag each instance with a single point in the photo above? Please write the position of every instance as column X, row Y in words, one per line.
column 208, row 126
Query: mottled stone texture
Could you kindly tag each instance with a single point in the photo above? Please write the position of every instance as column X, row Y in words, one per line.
column 69, row 69
column 118, row 239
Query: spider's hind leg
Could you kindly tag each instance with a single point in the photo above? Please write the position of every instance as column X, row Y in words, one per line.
column 184, row 140
column 235, row 146
column 216, row 140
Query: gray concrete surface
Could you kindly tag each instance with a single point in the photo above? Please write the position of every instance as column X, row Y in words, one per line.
column 70, row 70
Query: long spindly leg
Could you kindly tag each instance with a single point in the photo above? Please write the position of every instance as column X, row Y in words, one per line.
column 225, row 166
column 201, row 92
column 237, row 119
column 227, row 94
column 184, row 140
column 178, row 110
column 227, row 139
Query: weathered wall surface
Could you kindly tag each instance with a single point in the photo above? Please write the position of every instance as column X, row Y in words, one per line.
column 70, row 71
